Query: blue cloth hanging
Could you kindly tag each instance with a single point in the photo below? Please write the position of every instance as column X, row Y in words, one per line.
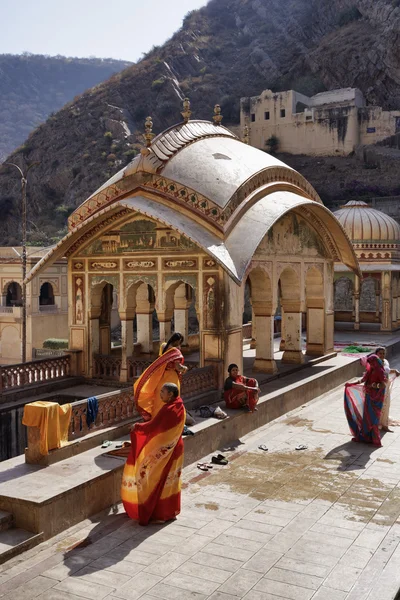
column 92, row 410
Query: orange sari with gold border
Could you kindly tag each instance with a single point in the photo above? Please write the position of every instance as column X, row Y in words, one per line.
column 151, row 481
column 146, row 391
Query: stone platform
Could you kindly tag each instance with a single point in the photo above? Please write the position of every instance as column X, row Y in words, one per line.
column 47, row 500
column 317, row 524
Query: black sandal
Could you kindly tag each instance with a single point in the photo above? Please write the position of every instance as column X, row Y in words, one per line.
column 219, row 460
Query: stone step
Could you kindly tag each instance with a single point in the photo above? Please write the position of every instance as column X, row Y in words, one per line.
column 6, row 520
column 14, row 541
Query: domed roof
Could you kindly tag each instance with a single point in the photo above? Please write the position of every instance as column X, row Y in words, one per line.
column 365, row 224
column 200, row 180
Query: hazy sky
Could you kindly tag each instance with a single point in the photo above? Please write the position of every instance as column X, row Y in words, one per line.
column 114, row 28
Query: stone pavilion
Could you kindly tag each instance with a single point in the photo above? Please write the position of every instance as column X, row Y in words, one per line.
column 192, row 218
column 375, row 297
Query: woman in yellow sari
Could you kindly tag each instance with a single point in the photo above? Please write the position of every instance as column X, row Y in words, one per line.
column 151, row 482
column 167, row 368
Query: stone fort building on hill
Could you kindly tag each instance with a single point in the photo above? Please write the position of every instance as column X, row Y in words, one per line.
column 329, row 123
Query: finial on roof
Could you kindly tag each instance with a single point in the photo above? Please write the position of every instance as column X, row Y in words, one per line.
column 186, row 110
column 217, row 118
column 246, row 137
column 148, row 126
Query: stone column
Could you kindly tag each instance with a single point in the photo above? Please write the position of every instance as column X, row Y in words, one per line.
column 94, row 342
column 315, row 344
column 253, row 342
column 126, row 343
column 293, row 323
column 356, row 303
column 283, row 329
column 144, row 321
column 264, row 319
column 181, row 312
column 164, row 320
column 386, row 324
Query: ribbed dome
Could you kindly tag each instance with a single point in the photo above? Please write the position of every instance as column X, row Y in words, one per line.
column 365, row 224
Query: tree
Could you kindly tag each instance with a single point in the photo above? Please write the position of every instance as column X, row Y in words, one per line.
column 272, row 144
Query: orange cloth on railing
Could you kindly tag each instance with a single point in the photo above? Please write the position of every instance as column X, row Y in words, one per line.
column 52, row 420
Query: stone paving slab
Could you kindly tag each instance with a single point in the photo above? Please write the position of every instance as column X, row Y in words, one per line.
column 317, row 524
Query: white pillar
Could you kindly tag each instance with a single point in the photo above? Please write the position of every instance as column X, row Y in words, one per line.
column 293, row 326
column 127, row 346
column 264, row 360
column 144, row 323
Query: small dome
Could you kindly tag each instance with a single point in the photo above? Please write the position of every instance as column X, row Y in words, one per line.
column 365, row 224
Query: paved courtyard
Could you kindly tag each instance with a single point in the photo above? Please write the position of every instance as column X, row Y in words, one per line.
column 320, row 523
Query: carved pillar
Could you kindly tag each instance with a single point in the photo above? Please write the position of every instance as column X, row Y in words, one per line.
column 126, row 343
column 264, row 319
column 293, row 325
column 356, row 303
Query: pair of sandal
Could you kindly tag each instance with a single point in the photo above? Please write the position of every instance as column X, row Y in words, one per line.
column 219, row 459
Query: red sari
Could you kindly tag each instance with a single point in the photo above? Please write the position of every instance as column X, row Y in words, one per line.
column 146, row 391
column 238, row 398
column 363, row 403
column 151, row 482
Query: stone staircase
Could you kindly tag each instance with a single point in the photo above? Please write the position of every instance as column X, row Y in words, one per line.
column 13, row 541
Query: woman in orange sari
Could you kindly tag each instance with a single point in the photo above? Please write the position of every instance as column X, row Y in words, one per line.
column 167, row 368
column 151, row 482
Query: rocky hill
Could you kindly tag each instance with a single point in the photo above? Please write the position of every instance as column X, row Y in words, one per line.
column 34, row 86
column 228, row 49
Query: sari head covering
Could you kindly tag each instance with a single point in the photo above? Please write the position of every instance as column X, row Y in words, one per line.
column 363, row 403
column 151, row 481
column 146, row 390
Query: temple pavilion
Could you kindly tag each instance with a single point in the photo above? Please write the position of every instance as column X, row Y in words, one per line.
column 372, row 301
column 196, row 215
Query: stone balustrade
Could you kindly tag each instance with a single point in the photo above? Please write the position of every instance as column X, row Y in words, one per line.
column 114, row 408
column 34, row 372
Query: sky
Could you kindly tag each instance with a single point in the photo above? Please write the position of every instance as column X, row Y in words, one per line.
column 122, row 29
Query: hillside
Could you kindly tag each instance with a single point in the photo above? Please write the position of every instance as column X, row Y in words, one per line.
column 33, row 86
column 228, row 49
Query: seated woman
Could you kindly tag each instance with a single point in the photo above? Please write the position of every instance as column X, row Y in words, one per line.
column 151, row 481
column 240, row 391
column 363, row 403
column 167, row 368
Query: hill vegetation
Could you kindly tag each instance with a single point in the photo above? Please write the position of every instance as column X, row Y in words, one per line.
column 33, row 86
column 226, row 50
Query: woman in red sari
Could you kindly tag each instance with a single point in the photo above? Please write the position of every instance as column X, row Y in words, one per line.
column 151, row 482
column 240, row 391
column 167, row 368
column 363, row 403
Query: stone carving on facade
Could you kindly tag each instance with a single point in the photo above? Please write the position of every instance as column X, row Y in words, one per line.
column 180, row 264
column 79, row 284
column 210, row 300
column 138, row 264
column 107, row 266
column 104, row 278
column 85, row 238
column 209, row 263
column 78, row 266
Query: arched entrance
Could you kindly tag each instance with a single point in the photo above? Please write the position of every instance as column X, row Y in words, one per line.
column 13, row 294
column 263, row 310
